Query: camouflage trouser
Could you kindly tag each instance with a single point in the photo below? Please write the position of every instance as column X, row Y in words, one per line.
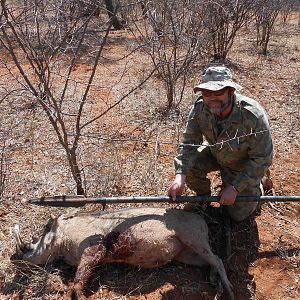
column 198, row 182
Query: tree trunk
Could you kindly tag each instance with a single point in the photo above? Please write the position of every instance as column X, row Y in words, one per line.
column 170, row 94
column 76, row 172
column 112, row 15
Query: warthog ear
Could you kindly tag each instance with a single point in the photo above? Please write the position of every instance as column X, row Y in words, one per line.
column 49, row 224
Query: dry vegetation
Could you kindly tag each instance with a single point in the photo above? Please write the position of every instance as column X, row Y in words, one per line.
column 130, row 150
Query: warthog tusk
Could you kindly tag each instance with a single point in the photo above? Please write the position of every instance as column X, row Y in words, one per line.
column 19, row 242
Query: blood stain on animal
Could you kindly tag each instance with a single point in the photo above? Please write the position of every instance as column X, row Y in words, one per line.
column 120, row 245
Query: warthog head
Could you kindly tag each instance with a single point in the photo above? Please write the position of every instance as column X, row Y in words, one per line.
column 39, row 250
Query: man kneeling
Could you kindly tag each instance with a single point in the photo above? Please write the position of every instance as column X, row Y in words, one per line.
column 225, row 131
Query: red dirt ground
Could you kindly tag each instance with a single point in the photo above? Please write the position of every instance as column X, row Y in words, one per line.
column 265, row 249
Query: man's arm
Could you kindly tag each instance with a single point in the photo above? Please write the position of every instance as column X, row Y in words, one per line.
column 260, row 157
column 187, row 155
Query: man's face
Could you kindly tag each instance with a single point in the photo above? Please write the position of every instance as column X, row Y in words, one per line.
column 219, row 101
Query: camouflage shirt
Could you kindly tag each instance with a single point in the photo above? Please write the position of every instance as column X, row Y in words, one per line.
column 249, row 157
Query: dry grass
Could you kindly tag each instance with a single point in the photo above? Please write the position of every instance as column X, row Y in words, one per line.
column 22, row 280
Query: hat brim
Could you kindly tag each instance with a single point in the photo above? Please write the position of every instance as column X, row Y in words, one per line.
column 216, row 85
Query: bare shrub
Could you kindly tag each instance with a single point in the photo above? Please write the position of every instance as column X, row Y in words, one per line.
column 174, row 41
column 45, row 45
column 37, row 33
column 287, row 10
column 223, row 19
column 265, row 17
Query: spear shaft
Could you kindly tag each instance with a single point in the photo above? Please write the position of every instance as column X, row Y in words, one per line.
column 78, row 201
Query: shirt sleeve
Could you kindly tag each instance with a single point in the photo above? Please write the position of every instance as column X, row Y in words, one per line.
column 187, row 154
column 260, row 155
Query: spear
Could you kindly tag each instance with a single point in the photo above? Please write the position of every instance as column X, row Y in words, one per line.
column 78, row 201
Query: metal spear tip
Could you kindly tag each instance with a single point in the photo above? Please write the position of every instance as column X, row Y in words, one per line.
column 59, row 201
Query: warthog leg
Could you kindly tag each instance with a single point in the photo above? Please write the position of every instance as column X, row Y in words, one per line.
column 90, row 258
column 113, row 246
column 218, row 265
column 199, row 244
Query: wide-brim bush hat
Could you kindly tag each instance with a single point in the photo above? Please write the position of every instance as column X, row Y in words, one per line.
column 216, row 78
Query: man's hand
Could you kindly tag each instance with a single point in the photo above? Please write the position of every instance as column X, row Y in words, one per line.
column 177, row 187
column 228, row 195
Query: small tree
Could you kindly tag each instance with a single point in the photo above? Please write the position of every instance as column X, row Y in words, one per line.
column 287, row 9
column 223, row 19
column 45, row 40
column 111, row 11
column 85, row 8
column 174, row 41
column 265, row 17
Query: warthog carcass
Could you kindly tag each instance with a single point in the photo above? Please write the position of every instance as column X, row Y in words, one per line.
column 143, row 237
